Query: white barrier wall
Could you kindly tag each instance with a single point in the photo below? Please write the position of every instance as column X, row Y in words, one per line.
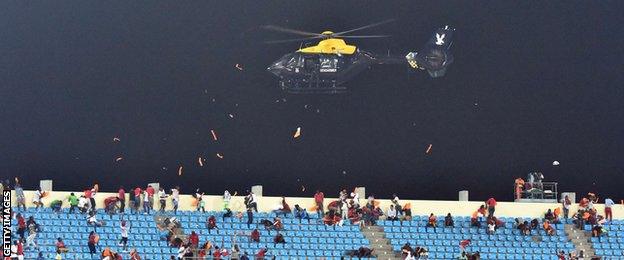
column 419, row 207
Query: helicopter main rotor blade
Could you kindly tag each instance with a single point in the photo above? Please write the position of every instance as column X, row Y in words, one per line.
column 288, row 30
column 293, row 40
column 364, row 27
column 364, row 36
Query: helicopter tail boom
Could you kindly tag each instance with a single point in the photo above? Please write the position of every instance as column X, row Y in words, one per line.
column 435, row 56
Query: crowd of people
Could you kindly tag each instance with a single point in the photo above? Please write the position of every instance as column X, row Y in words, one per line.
column 346, row 208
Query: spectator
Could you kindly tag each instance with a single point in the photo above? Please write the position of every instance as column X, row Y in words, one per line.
column 407, row 211
column 92, row 221
column 549, row 215
column 432, row 221
column 406, row 250
column 344, row 209
column 17, row 250
column 463, row 244
column 548, row 228
column 252, row 202
column 285, row 207
column 392, row 213
column 125, row 229
column 200, row 201
column 249, row 217
column 60, row 246
column 395, row 201
column 137, row 200
column 260, row 255
column 37, row 199
column 91, row 196
column 525, row 228
column 556, row 214
column 534, row 223
column 255, row 235
column 226, row 199
column 279, row 239
column 244, row 256
column 83, row 204
column 175, row 198
column 93, row 239
column 211, row 223
column 448, row 220
column 301, row 213
column 561, row 255
column 277, row 224
column 110, row 205
column 519, row 186
column 146, row 204
column 121, row 195
column 194, row 239
column 182, row 250
column 491, row 225
column 227, row 213
column 491, row 204
column 566, row 203
column 474, row 219
column 150, row 196
column 134, row 255
column 19, row 194
column 608, row 211
column 162, row 197
column 597, row 230
column 73, row 202
column 33, row 228
column 318, row 200
column 21, row 226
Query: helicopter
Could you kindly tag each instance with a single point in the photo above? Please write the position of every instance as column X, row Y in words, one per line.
column 326, row 66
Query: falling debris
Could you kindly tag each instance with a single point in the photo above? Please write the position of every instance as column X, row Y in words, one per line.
column 180, row 171
column 344, row 172
column 119, row 159
column 556, row 163
column 297, row 133
column 277, row 101
column 116, row 139
column 231, row 116
column 214, row 135
column 213, row 100
column 164, row 168
column 283, row 99
column 239, row 67
column 199, row 160
column 306, row 106
column 302, row 188
column 429, row 149
column 220, row 156
column 318, row 111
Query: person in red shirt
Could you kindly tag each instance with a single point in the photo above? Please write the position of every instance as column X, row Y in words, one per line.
column 134, row 255
column 194, row 239
column 88, row 193
column 137, row 199
column 261, row 253
column 432, row 221
column 122, row 199
column 255, row 235
column 21, row 226
column 318, row 199
column 60, row 246
column 150, row 194
column 463, row 244
column 491, row 204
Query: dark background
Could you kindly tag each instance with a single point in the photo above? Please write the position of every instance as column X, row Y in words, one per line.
column 532, row 83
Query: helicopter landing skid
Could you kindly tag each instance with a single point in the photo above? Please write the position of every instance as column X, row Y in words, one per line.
column 312, row 87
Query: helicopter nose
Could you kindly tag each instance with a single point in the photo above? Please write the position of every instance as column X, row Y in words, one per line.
column 275, row 69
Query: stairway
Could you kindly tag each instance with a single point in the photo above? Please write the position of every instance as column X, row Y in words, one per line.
column 379, row 242
column 580, row 239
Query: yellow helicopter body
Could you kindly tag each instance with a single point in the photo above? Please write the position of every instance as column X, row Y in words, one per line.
column 330, row 46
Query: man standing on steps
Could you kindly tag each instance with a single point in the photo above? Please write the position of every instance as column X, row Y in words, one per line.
column 491, row 203
column 122, row 199
column 318, row 199
column 608, row 213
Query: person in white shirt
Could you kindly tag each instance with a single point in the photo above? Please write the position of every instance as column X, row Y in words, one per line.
column 356, row 199
column 162, row 196
column 608, row 211
column 146, row 204
column 125, row 228
column 92, row 220
column 83, row 204
column 175, row 198
column 252, row 202
column 344, row 209
column 37, row 199
column 226, row 199
column 392, row 213
column 181, row 252
column 491, row 228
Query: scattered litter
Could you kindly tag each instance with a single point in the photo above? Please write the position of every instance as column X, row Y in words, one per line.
column 213, row 100
column 556, row 163
column 118, row 159
column 220, row 156
column 116, row 139
column 239, row 67
column 297, row 133
column 277, row 101
column 231, row 116
column 344, row 172
column 236, row 104
column 180, row 171
column 429, row 149
column 164, row 168
column 199, row 160
column 214, row 135
column 302, row 188
column 283, row 99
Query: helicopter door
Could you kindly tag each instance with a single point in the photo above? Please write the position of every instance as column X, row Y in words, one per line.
column 311, row 64
column 328, row 64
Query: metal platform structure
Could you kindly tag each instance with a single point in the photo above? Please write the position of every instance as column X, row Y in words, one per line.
column 539, row 192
